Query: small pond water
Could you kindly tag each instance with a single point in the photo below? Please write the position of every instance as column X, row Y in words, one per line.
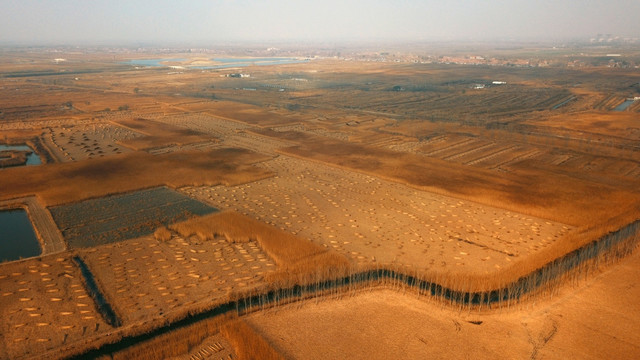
column 152, row 62
column 624, row 105
column 17, row 237
column 32, row 159
column 224, row 62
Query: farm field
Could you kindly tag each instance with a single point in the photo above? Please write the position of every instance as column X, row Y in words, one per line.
column 370, row 220
column 356, row 201
column 146, row 278
column 119, row 217
column 44, row 306
column 581, row 321
column 83, row 142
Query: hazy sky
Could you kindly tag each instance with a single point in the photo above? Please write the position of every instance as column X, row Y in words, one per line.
column 214, row 21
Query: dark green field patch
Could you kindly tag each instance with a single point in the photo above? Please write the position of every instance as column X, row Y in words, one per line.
column 120, row 217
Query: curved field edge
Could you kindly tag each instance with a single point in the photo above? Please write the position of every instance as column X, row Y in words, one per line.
column 573, row 265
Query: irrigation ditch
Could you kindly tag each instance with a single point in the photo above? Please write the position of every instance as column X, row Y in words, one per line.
column 104, row 308
column 608, row 248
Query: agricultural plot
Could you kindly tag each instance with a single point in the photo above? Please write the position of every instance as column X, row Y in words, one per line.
column 505, row 154
column 120, row 217
column 383, row 164
column 43, row 306
column 145, row 278
column 372, row 220
column 87, row 141
column 372, row 324
column 232, row 133
column 448, row 102
column 214, row 347
column 205, row 123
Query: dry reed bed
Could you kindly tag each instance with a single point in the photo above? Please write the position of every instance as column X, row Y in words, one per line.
column 333, row 281
column 248, row 344
column 605, row 242
column 173, row 343
column 145, row 278
column 370, row 219
column 611, row 247
column 542, row 194
column 158, row 134
column 44, row 306
column 62, row 183
column 293, row 255
column 86, row 141
column 157, row 286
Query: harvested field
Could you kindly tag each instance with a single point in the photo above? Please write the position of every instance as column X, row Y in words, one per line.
column 144, row 278
column 508, row 156
column 43, row 306
column 333, row 177
column 360, row 216
column 58, row 184
column 87, row 141
column 159, row 134
column 119, row 217
column 296, row 257
column 553, row 196
column 583, row 322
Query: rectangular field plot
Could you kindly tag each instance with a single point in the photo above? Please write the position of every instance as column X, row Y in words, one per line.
column 120, row 217
column 43, row 306
column 147, row 278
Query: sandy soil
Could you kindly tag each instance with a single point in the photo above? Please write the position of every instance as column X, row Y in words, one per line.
column 597, row 320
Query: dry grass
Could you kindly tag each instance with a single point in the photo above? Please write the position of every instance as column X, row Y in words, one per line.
column 159, row 134
column 62, row 183
column 248, row 343
column 547, row 195
column 297, row 258
column 176, row 342
column 162, row 234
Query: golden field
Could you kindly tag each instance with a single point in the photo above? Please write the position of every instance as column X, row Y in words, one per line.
column 346, row 190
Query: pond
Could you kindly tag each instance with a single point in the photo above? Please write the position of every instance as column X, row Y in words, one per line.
column 624, row 105
column 152, row 62
column 223, row 62
column 32, row 159
column 17, row 238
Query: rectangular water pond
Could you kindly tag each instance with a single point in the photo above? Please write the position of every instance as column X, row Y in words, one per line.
column 624, row 105
column 121, row 217
column 17, row 238
column 31, row 158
